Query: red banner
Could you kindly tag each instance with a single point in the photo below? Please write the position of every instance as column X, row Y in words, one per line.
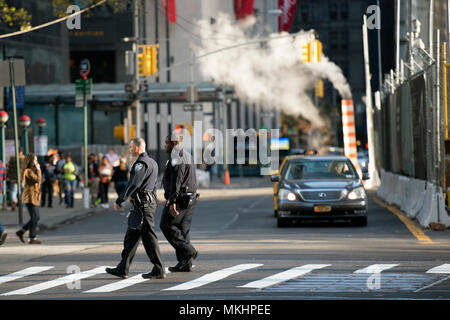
column 287, row 8
column 243, row 8
column 170, row 4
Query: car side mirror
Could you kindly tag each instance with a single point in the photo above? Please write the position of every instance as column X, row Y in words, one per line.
column 366, row 176
column 274, row 178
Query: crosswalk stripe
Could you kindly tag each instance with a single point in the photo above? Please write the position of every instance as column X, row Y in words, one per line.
column 284, row 276
column 213, row 276
column 23, row 273
column 57, row 282
column 444, row 268
column 376, row 268
column 121, row 284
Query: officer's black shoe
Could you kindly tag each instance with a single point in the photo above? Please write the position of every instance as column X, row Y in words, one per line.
column 115, row 272
column 154, row 275
column 182, row 266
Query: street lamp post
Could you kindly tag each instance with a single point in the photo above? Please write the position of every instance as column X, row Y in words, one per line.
column 3, row 120
column 25, row 122
column 41, row 123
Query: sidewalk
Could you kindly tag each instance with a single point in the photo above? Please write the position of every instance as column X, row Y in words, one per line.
column 51, row 218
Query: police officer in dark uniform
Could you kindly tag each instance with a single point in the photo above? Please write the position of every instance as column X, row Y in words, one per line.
column 141, row 191
column 180, row 187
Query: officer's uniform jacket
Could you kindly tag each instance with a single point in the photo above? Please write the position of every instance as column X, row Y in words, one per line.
column 180, row 172
column 143, row 176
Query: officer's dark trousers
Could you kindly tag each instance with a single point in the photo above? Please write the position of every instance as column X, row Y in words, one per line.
column 176, row 230
column 149, row 239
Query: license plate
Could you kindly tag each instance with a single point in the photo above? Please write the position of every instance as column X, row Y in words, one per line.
column 322, row 208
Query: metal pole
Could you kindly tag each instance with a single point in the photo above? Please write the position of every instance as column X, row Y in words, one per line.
column 158, row 124
column 410, row 38
column 397, row 64
column 444, row 88
column 3, row 161
column 169, row 106
column 137, row 102
column 430, row 27
column 380, row 76
column 25, row 140
column 85, row 121
column 16, row 141
column 373, row 172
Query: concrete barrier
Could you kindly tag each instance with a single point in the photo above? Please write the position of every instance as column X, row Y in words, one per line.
column 405, row 192
column 419, row 193
column 429, row 212
column 382, row 187
column 393, row 189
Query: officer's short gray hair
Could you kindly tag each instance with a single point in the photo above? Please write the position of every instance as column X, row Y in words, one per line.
column 139, row 142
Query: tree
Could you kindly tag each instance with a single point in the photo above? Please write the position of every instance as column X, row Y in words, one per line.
column 19, row 17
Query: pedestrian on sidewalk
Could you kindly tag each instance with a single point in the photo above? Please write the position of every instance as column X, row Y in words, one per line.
column 120, row 176
column 70, row 180
column 48, row 177
column 12, row 178
column 141, row 191
column 60, row 175
column 105, row 178
column 113, row 158
column 31, row 196
column 94, row 178
column 3, row 234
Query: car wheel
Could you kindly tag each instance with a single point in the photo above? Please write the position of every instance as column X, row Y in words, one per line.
column 275, row 213
column 281, row 223
column 360, row 222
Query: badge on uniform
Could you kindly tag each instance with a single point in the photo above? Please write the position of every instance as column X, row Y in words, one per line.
column 174, row 162
column 138, row 166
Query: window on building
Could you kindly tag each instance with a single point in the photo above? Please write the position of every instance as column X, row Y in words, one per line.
column 344, row 11
column 305, row 12
column 344, row 39
column 334, row 40
column 333, row 11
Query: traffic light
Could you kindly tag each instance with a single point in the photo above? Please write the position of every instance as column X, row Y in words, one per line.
column 119, row 132
column 153, row 49
column 312, row 51
column 319, row 89
column 143, row 61
column 306, row 52
column 317, row 51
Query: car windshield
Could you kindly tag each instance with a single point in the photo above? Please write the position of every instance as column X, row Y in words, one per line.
column 320, row 169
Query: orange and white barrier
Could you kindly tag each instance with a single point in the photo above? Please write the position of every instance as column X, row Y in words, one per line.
column 349, row 132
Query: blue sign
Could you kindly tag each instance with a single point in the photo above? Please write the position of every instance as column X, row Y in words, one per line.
column 85, row 67
column 20, row 97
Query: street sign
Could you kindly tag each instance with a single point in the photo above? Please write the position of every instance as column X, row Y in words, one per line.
column 20, row 97
column 193, row 107
column 41, row 145
column 80, row 85
column 19, row 73
column 85, row 68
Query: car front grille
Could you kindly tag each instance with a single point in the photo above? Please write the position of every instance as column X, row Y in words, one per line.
column 322, row 195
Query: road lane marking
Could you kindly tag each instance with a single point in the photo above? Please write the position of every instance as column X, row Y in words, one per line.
column 57, row 282
column 444, row 268
column 376, row 268
column 412, row 227
column 214, row 276
column 121, row 284
column 22, row 273
column 284, row 276
column 433, row 284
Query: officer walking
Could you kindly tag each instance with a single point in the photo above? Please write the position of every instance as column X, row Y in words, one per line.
column 180, row 187
column 141, row 190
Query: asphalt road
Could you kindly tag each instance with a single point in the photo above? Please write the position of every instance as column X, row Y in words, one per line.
column 243, row 255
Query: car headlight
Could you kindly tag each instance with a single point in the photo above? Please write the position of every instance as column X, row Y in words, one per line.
column 358, row 193
column 364, row 164
column 285, row 194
